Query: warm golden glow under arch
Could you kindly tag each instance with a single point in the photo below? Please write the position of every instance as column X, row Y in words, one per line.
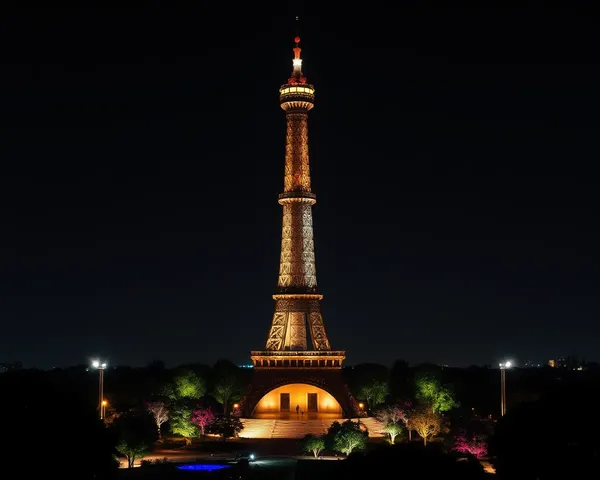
column 309, row 399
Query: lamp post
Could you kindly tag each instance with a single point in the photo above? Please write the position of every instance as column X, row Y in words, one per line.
column 503, row 367
column 100, row 366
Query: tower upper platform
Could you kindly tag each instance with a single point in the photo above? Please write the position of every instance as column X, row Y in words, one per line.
column 297, row 94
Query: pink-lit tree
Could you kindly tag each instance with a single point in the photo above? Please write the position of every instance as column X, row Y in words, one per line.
column 159, row 412
column 399, row 413
column 472, row 444
column 391, row 414
column 203, row 418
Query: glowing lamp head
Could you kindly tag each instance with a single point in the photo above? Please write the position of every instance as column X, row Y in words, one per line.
column 361, row 405
column 297, row 40
column 236, row 405
column 508, row 364
column 95, row 364
column 251, row 456
column 104, row 403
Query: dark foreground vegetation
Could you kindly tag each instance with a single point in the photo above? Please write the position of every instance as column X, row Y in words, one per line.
column 51, row 426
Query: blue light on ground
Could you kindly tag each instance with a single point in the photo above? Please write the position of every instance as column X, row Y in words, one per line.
column 203, row 467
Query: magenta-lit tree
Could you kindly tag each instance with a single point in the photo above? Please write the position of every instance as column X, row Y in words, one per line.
column 159, row 412
column 473, row 444
column 203, row 418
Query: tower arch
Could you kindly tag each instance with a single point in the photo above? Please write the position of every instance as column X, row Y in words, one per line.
column 297, row 398
column 329, row 383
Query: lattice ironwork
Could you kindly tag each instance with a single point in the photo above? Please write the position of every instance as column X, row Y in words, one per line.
column 297, row 261
column 297, row 169
column 297, row 308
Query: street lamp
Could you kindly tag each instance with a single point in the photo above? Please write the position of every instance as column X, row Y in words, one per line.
column 503, row 367
column 100, row 366
column 361, row 410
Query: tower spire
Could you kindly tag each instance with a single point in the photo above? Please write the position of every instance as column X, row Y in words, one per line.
column 297, row 77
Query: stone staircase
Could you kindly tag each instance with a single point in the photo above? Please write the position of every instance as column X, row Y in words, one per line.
column 275, row 428
column 299, row 428
column 374, row 426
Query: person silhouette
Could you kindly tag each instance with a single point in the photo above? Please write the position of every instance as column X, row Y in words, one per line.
column 297, row 409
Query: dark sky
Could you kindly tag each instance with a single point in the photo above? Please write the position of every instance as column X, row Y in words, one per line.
column 452, row 154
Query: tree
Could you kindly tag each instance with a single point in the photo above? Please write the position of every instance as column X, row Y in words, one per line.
column 473, row 444
column 314, row 444
column 432, row 392
column 203, row 418
column 226, row 426
column 181, row 423
column 393, row 430
column 373, row 393
column 347, row 437
column 427, row 424
column 187, row 385
column 347, row 441
column 391, row 414
column 392, row 417
column 227, row 388
column 159, row 412
column 136, row 434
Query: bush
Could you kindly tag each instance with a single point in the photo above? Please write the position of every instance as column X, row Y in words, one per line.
column 226, row 426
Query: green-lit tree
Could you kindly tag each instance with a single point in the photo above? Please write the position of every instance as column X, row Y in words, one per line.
column 136, row 433
column 347, row 437
column 227, row 389
column 314, row 444
column 393, row 430
column 227, row 384
column 373, row 393
column 181, row 423
column 432, row 392
column 187, row 385
column 348, row 441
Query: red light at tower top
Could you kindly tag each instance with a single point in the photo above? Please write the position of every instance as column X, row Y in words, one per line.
column 297, row 77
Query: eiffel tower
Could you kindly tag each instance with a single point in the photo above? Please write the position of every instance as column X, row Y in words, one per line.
column 297, row 349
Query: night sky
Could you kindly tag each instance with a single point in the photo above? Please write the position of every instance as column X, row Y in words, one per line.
column 452, row 155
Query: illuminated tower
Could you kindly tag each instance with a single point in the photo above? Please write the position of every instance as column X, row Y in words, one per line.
column 297, row 310
column 297, row 366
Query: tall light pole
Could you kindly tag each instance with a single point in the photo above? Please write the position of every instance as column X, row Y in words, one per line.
column 503, row 367
column 100, row 366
